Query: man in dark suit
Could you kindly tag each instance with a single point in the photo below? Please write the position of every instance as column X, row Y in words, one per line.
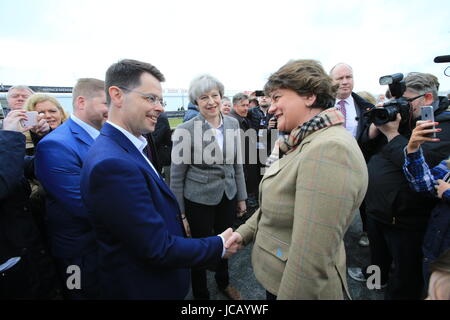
column 353, row 108
column 59, row 158
column 143, row 253
column 248, row 142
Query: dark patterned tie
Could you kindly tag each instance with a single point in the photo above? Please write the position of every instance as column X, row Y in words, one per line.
column 344, row 112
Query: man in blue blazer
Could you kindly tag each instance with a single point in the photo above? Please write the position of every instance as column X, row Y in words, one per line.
column 59, row 158
column 143, row 252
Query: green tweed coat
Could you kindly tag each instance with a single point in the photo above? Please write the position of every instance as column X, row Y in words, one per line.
column 308, row 200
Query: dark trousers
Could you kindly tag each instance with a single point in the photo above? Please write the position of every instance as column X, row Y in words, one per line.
column 390, row 244
column 206, row 221
column 270, row 296
column 362, row 213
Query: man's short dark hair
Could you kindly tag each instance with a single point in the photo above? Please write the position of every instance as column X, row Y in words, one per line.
column 238, row 97
column 255, row 101
column 127, row 73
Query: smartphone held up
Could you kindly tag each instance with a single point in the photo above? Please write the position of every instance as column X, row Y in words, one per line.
column 31, row 120
column 427, row 113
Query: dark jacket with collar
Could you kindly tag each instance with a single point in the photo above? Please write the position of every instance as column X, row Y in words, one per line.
column 249, row 152
column 17, row 228
column 361, row 106
column 34, row 275
column 389, row 199
column 59, row 159
column 143, row 252
column 162, row 137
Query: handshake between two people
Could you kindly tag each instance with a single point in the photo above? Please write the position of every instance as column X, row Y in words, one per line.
column 233, row 242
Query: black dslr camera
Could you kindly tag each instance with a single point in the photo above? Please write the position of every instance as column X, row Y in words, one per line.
column 387, row 113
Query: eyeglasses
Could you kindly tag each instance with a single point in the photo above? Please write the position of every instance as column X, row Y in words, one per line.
column 154, row 100
column 412, row 99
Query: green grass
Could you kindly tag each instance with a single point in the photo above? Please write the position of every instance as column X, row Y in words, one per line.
column 174, row 122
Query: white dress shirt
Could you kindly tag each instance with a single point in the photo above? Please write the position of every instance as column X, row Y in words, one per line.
column 218, row 132
column 94, row 133
column 351, row 124
column 140, row 143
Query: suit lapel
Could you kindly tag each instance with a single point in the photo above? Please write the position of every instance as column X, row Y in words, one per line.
column 79, row 133
column 130, row 148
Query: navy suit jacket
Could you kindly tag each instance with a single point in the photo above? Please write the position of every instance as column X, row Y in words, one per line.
column 143, row 253
column 58, row 161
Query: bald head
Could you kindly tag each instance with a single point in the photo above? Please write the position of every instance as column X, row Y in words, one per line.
column 342, row 74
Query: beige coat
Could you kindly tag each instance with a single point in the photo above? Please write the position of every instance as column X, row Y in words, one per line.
column 308, row 200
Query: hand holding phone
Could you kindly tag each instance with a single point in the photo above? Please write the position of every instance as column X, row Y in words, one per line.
column 427, row 113
column 31, row 119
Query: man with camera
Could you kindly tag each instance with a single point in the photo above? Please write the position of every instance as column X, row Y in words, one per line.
column 397, row 216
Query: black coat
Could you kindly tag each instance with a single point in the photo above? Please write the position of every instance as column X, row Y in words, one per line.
column 248, row 143
column 163, row 140
column 17, row 228
column 389, row 198
column 361, row 106
column 34, row 275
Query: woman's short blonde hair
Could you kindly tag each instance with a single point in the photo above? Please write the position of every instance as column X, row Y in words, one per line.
column 33, row 100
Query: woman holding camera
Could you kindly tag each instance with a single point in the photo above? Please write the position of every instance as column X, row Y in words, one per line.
column 309, row 196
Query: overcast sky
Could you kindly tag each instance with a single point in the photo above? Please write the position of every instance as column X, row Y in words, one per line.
column 240, row 42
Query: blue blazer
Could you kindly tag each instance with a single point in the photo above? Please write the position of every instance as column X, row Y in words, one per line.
column 58, row 162
column 143, row 253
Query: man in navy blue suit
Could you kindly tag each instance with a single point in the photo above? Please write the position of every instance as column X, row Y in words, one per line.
column 143, row 251
column 59, row 158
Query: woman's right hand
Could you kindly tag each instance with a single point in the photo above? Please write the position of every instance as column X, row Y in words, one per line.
column 418, row 135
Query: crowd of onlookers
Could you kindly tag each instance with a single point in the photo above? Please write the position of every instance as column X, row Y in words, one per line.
column 143, row 210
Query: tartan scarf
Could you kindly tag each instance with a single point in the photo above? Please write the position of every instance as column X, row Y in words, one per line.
column 327, row 118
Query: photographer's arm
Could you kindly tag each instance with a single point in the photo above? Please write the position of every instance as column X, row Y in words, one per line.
column 390, row 129
column 373, row 132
